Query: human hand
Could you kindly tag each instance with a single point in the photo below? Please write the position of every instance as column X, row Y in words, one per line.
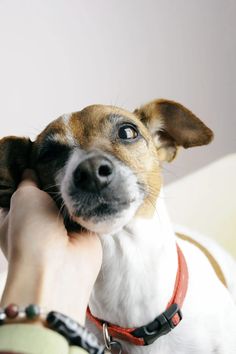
column 46, row 265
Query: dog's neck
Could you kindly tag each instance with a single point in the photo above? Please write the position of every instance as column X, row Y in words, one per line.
column 138, row 273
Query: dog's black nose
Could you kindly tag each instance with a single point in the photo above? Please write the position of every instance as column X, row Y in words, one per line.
column 94, row 173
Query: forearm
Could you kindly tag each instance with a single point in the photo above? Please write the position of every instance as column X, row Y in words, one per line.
column 19, row 290
column 40, row 290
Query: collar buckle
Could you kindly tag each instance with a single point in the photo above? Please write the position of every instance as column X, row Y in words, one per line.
column 162, row 325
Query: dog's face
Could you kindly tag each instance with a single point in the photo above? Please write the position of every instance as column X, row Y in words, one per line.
column 102, row 164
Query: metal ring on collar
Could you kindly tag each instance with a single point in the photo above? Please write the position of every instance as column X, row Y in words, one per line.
column 106, row 336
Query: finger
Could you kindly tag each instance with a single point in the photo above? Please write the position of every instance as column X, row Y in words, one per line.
column 3, row 233
column 29, row 179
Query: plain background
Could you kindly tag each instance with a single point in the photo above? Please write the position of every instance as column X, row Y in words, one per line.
column 59, row 56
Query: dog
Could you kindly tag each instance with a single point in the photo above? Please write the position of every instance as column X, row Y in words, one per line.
column 158, row 292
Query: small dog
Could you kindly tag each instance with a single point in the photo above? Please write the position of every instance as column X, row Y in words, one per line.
column 156, row 292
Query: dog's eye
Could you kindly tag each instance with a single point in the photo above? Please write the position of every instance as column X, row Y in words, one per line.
column 128, row 132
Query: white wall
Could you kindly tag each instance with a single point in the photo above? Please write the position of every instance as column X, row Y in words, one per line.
column 58, row 56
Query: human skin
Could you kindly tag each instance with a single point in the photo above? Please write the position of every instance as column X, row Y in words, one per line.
column 47, row 266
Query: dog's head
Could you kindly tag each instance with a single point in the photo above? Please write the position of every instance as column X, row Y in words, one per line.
column 102, row 164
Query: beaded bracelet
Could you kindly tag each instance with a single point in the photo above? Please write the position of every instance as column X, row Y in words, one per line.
column 14, row 312
column 67, row 327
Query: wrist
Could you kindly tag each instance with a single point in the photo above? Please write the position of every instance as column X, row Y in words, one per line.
column 18, row 289
column 34, row 285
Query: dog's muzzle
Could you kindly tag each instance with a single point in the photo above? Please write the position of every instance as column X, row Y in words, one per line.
column 99, row 191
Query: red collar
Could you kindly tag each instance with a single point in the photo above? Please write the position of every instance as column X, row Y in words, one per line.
column 162, row 324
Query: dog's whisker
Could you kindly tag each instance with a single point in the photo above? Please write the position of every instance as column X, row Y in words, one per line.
column 52, row 186
column 60, row 212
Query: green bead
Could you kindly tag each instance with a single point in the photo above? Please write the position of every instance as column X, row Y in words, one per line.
column 32, row 311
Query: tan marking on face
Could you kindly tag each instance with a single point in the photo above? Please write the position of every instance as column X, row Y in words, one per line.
column 92, row 129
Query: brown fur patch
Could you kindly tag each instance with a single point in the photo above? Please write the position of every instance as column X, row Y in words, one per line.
column 174, row 125
column 14, row 158
column 92, row 129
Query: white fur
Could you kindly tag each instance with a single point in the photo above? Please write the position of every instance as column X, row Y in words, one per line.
column 61, row 138
column 68, row 137
column 137, row 280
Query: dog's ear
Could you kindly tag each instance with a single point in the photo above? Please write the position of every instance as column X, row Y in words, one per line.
column 14, row 158
column 172, row 125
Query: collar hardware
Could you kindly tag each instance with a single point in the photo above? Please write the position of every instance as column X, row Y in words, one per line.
column 109, row 342
column 162, row 325
column 106, row 337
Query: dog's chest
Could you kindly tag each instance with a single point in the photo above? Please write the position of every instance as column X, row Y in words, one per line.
column 137, row 281
column 132, row 276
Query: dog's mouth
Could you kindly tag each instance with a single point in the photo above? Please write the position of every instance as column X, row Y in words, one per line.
column 82, row 212
column 99, row 206
column 95, row 211
column 101, row 211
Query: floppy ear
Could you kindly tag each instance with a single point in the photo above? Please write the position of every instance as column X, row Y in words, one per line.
column 172, row 125
column 14, row 158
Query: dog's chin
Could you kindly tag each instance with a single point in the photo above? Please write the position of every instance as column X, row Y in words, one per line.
column 105, row 224
column 103, row 227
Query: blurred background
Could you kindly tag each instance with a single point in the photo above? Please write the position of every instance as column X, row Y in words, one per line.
column 59, row 56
